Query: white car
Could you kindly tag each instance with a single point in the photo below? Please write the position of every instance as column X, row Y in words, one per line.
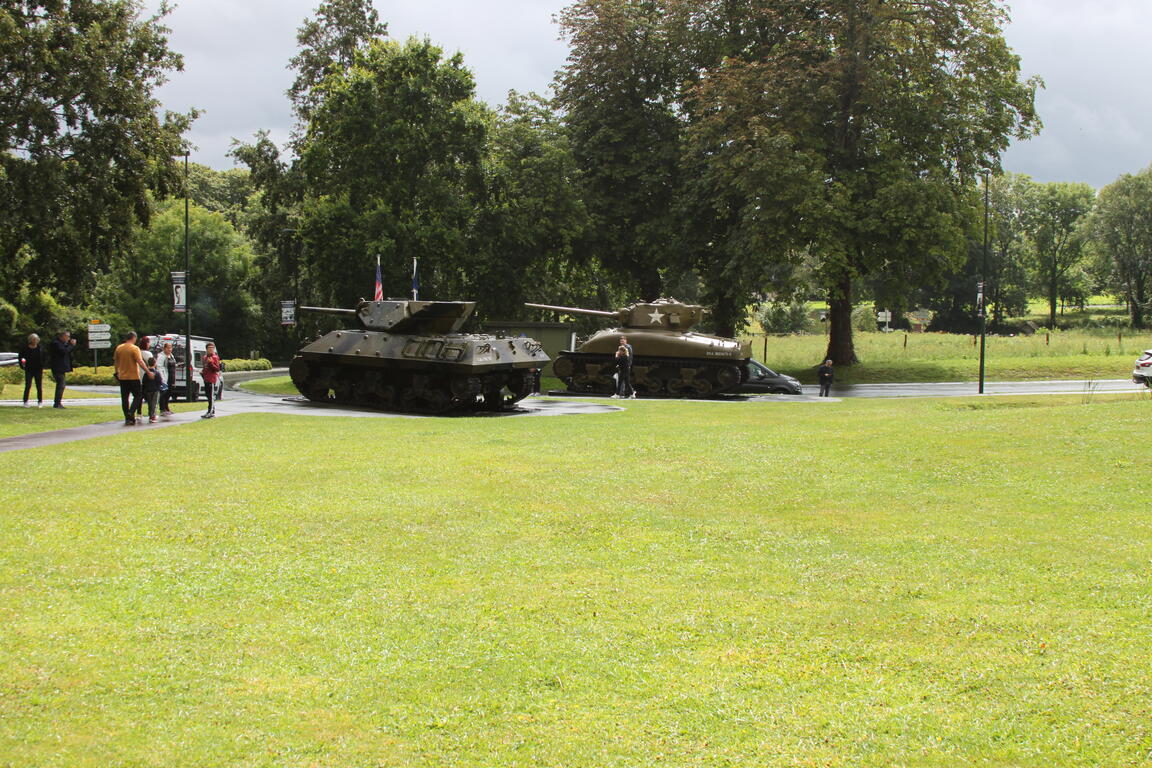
column 1142, row 373
column 9, row 358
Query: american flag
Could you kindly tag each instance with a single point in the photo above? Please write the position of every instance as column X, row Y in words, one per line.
column 379, row 295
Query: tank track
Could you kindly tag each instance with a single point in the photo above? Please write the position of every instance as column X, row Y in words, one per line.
column 589, row 373
column 405, row 391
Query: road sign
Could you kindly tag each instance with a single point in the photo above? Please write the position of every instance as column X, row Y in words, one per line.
column 288, row 313
column 99, row 336
column 104, row 344
column 98, row 328
column 884, row 316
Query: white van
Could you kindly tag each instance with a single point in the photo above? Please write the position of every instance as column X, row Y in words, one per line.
column 177, row 375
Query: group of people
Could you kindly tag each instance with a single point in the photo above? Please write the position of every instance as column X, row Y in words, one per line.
column 33, row 357
column 146, row 378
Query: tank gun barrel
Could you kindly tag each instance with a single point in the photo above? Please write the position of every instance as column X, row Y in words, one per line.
column 574, row 310
column 329, row 310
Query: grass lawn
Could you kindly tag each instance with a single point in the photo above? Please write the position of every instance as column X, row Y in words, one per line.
column 869, row 583
column 909, row 357
column 16, row 392
column 25, row 421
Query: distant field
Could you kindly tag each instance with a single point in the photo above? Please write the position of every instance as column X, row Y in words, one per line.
column 904, row 356
column 868, row 583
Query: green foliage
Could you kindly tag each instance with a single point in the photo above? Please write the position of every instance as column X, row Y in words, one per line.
column 81, row 143
column 781, row 317
column 139, row 282
column 1121, row 227
column 1056, row 221
column 531, row 220
column 864, row 318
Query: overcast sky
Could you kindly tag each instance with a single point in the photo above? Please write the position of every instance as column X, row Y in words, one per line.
column 1093, row 55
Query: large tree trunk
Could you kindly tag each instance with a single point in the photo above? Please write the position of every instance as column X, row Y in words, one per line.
column 1136, row 303
column 841, row 350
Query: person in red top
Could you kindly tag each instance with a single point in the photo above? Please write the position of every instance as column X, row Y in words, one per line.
column 211, row 374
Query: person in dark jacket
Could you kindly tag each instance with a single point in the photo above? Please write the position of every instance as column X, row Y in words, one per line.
column 31, row 357
column 60, row 357
column 824, row 375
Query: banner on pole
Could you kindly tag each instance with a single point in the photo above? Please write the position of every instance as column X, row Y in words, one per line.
column 179, row 291
column 288, row 313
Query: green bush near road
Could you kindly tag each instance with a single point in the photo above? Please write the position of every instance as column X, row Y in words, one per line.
column 771, row 584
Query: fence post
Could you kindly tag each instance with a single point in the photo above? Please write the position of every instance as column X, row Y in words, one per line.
column 905, row 341
column 765, row 357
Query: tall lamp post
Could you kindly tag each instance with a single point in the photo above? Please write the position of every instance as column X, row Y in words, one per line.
column 187, row 287
column 983, row 286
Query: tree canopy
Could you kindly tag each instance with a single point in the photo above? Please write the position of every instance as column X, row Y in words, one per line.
column 81, row 142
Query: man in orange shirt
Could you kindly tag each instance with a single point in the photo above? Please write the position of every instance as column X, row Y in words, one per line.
column 129, row 365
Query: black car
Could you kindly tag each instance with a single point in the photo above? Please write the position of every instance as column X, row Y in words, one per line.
column 762, row 380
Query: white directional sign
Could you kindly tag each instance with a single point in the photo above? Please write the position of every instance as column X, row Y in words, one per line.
column 99, row 327
column 99, row 336
column 104, row 344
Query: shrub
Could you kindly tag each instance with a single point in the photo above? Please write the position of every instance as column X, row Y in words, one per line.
column 864, row 318
column 244, row 364
column 784, row 318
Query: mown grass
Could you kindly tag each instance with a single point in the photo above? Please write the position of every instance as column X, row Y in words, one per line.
column 16, row 392
column 25, row 421
column 918, row 583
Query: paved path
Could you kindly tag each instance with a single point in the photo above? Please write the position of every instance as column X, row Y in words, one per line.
column 236, row 401
column 239, row 401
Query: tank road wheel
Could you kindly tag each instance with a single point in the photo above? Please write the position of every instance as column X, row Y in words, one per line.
column 562, row 367
column 727, row 376
column 308, row 380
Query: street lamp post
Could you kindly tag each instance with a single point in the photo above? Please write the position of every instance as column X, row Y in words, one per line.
column 187, row 288
column 983, row 287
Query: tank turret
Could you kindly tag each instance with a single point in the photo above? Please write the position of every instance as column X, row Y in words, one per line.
column 662, row 313
column 402, row 316
column 669, row 359
column 410, row 356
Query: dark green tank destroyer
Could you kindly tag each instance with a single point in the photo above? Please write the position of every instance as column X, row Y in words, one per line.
column 410, row 356
column 669, row 360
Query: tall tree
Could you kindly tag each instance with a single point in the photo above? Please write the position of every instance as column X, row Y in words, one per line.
column 328, row 44
column 81, row 144
column 1121, row 225
column 1055, row 221
column 888, row 109
column 531, row 219
column 391, row 167
column 621, row 91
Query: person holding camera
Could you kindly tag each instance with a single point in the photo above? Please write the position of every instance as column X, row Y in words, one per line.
column 60, row 355
column 211, row 374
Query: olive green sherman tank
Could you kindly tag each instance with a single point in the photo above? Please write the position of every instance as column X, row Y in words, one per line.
column 410, row 356
column 669, row 360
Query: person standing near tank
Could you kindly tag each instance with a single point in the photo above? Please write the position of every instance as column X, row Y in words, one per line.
column 129, row 365
column 31, row 357
column 211, row 374
column 824, row 376
column 60, row 358
column 624, row 369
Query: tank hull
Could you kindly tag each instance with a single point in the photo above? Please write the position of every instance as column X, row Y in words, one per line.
column 426, row 373
column 664, row 364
